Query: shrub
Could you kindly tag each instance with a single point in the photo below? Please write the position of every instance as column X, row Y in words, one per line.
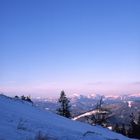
column 21, row 125
column 41, row 136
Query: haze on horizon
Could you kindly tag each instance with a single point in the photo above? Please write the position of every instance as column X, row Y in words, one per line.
column 78, row 46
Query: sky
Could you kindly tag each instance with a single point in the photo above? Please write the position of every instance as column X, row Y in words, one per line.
column 80, row 46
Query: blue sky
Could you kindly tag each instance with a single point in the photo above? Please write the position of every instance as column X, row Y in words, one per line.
column 81, row 46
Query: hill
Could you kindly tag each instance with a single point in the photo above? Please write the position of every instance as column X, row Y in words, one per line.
column 20, row 120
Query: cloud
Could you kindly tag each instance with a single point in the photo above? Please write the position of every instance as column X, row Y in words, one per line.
column 135, row 83
column 95, row 83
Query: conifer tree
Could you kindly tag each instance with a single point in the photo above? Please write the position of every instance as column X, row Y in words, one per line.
column 28, row 98
column 116, row 128
column 137, row 131
column 123, row 130
column 134, row 130
column 23, row 97
column 64, row 109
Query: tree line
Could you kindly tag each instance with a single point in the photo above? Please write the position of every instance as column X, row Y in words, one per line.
column 24, row 98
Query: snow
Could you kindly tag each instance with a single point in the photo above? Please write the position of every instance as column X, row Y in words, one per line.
column 130, row 104
column 85, row 114
column 88, row 114
column 20, row 120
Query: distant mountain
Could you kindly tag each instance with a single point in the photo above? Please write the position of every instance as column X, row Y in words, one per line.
column 121, row 107
column 86, row 102
column 20, row 120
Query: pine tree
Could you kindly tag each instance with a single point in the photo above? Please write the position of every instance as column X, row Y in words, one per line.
column 123, row 130
column 139, row 119
column 137, row 131
column 116, row 128
column 23, row 97
column 28, row 98
column 16, row 97
column 134, row 130
column 64, row 105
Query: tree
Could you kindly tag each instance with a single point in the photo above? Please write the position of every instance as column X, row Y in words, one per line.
column 99, row 104
column 138, row 127
column 122, row 129
column 131, row 126
column 116, row 128
column 23, row 97
column 64, row 109
column 101, row 115
column 28, row 98
column 137, row 130
column 16, row 97
column 134, row 130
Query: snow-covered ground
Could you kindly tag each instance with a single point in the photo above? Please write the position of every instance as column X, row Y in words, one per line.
column 20, row 120
column 88, row 114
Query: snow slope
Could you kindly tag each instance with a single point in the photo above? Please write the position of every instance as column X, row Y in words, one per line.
column 20, row 120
